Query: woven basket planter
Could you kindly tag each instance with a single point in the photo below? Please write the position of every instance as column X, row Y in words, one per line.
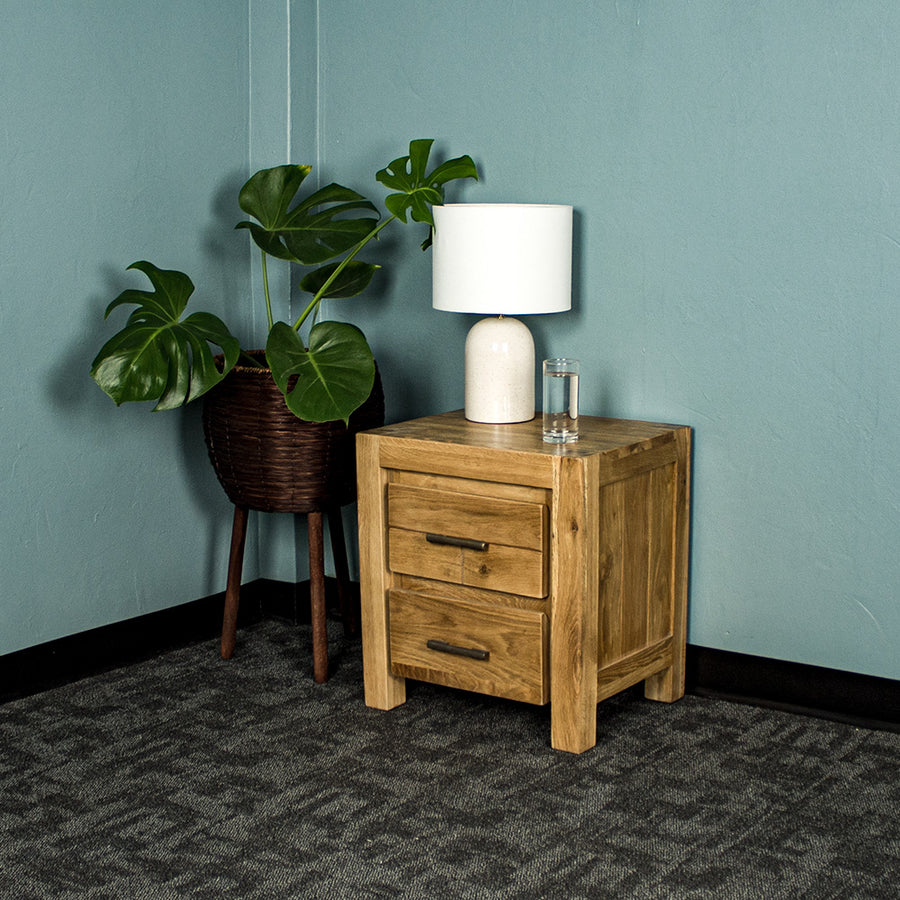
column 269, row 460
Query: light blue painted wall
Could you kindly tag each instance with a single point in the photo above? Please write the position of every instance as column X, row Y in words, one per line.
column 735, row 167
column 123, row 135
column 273, row 67
column 283, row 114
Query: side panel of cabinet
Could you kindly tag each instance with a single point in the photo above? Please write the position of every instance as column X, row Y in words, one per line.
column 637, row 552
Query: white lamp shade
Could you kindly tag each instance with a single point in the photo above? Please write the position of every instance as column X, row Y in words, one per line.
column 502, row 258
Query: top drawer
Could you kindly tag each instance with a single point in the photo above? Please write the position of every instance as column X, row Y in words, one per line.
column 468, row 539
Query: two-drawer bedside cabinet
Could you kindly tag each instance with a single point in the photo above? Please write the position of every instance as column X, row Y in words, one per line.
column 493, row 562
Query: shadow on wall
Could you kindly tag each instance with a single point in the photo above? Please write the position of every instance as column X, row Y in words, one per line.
column 227, row 254
column 201, row 487
column 68, row 385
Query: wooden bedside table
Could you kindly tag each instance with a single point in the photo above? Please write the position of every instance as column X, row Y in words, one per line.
column 493, row 562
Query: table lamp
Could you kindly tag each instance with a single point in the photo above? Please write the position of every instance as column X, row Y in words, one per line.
column 501, row 260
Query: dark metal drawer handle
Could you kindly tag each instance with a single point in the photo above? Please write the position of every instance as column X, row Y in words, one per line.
column 456, row 542
column 470, row 652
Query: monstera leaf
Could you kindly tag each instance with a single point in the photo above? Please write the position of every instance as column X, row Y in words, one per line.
column 157, row 355
column 314, row 230
column 417, row 191
column 334, row 375
column 336, row 280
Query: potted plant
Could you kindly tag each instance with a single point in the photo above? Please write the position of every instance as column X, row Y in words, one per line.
column 324, row 375
column 279, row 424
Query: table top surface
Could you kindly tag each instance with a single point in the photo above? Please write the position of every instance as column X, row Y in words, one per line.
column 596, row 434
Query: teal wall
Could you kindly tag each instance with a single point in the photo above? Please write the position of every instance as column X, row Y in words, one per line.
column 124, row 136
column 282, row 46
column 734, row 167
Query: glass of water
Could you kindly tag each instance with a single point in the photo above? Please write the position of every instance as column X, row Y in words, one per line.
column 560, row 400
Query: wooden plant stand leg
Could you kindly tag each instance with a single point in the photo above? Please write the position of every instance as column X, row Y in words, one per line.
column 233, row 587
column 317, row 596
column 341, row 569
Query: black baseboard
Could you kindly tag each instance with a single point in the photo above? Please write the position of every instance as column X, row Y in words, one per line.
column 862, row 700
column 99, row 650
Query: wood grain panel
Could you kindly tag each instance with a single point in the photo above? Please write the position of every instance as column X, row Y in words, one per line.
column 444, row 443
column 449, row 591
column 616, row 466
column 515, row 641
column 410, row 554
column 382, row 689
column 573, row 609
column 612, row 568
column 661, row 557
column 636, row 557
column 469, row 516
column 633, row 668
column 472, row 486
column 512, row 570
column 460, row 462
column 668, row 685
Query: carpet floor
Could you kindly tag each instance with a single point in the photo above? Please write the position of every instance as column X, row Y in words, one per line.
column 187, row 776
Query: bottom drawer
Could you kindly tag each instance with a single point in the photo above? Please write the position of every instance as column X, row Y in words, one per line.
column 494, row 650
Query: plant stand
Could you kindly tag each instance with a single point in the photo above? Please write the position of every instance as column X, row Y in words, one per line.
column 316, row 583
column 268, row 460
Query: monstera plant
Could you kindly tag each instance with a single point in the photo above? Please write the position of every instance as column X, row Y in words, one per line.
column 325, row 369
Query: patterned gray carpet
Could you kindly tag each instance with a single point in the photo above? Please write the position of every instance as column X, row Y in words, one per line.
column 186, row 776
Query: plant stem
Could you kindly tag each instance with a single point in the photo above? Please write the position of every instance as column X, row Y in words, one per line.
column 265, row 275
column 317, row 299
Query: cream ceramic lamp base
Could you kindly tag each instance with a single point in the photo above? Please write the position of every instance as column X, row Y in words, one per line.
column 499, row 371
